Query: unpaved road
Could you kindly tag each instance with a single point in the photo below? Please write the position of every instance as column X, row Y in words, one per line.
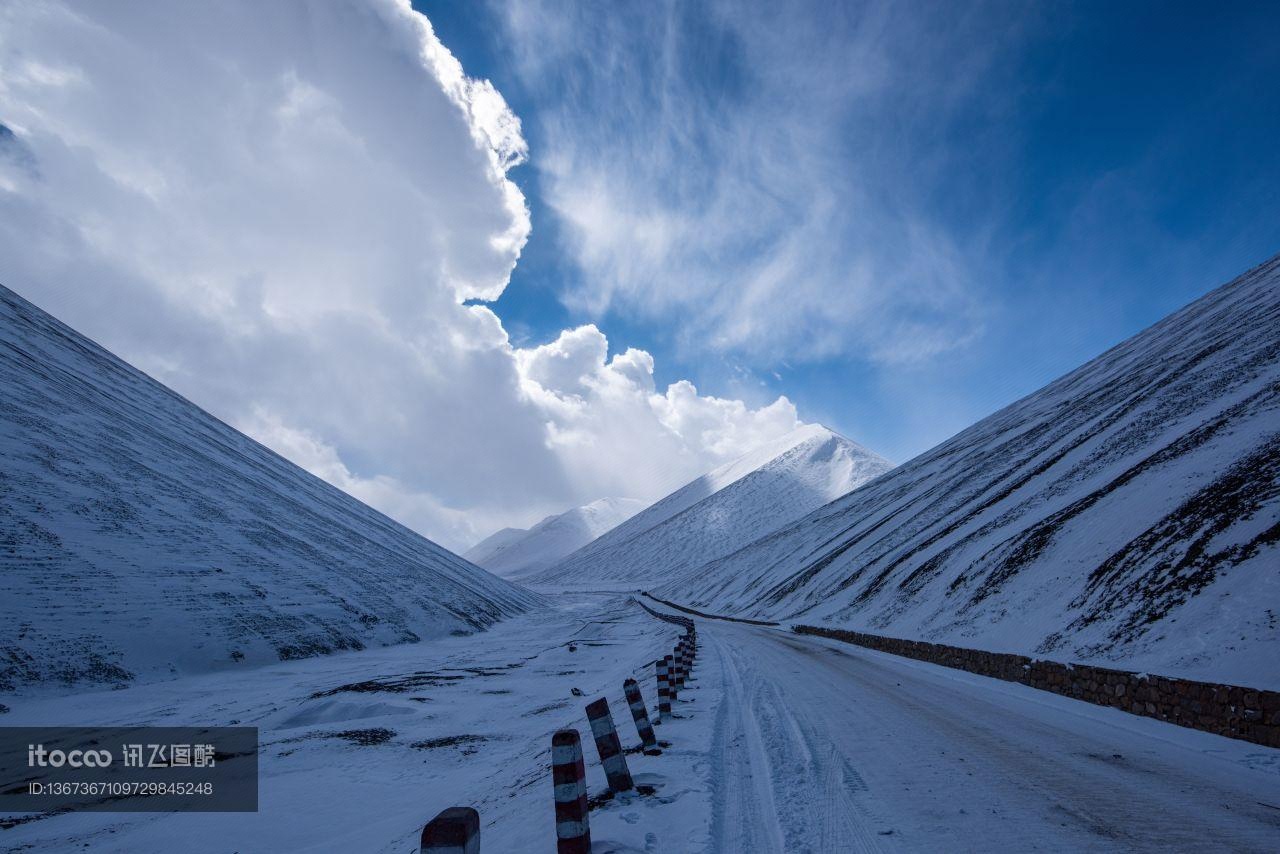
column 826, row 747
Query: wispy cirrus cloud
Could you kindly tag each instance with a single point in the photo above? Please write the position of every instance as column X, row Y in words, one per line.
column 761, row 176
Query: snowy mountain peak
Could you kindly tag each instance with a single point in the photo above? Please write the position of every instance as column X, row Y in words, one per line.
column 611, row 510
column 807, row 435
column 719, row 511
column 515, row 551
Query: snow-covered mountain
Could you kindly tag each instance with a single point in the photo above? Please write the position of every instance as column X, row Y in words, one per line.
column 718, row 512
column 140, row 537
column 1127, row 512
column 521, row 551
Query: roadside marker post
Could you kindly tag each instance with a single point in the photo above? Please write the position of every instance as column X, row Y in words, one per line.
column 607, row 744
column 454, row 831
column 664, row 688
column 569, row 776
column 647, row 739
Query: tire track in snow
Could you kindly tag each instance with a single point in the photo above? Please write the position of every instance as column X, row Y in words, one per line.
column 781, row 786
column 743, row 814
column 954, row 762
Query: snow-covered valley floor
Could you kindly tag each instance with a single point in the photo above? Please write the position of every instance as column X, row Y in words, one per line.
column 463, row 721
column 783, row 743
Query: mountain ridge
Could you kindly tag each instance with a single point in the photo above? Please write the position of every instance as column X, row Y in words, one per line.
column 512, row 552
column 142, row 538
column 760, row 490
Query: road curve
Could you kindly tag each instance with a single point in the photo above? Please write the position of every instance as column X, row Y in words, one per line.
column 825, row 747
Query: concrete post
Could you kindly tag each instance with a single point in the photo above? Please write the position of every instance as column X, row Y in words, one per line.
column 569, row 776
column 638, row 714
column 664, row 690
column 610, row 749
column 454, row 831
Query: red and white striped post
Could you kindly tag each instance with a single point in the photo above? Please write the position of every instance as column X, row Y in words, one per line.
column 607, row 744
column 664, row 690
column 454, row 831
column 569, row 775
column 673, row 685
column 638, row 714
column 680, row 669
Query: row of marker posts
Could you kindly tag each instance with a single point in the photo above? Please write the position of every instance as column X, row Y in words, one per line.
column 457, row 829
column 573, row 831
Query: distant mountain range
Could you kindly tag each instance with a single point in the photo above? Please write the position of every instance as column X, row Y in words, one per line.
column 140, row 537
column 520, row 551
column 1128, row 512
column 719, row 512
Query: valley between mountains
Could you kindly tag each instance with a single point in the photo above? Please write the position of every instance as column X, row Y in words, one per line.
column 161, row 568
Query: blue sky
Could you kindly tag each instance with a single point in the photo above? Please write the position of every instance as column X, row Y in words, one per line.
column 1073, row 171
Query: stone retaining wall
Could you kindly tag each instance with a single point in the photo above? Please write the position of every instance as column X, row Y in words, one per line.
column 1230, row 710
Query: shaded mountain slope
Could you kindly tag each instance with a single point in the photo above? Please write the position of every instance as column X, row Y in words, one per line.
column 141, row 537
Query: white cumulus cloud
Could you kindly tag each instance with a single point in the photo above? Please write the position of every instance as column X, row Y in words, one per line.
column 279, row 209
column 618, row 435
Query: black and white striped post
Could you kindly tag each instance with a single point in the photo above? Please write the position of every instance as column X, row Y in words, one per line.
column 664, row 690
column 454, row 831
column 608, row 745
column 639, row 714
column 673, row 685
column 569, row 775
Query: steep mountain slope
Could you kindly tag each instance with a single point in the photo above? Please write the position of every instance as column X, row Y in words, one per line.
column 514, row 551
column 719, row 511
column 141, row 537
column 495, row 544
column 1127, row 512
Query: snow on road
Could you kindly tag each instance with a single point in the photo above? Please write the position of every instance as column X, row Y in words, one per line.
column 782, row 743
column 822, row 746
